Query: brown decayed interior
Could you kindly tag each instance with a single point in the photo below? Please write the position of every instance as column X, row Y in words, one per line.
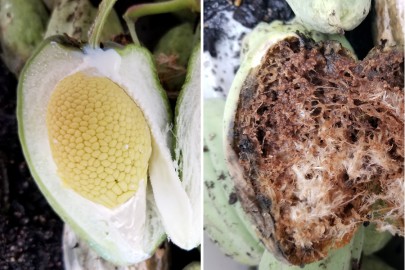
column 321, row 136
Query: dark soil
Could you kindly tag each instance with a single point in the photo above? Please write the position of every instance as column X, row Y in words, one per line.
column 30, row 232
column 249, row 14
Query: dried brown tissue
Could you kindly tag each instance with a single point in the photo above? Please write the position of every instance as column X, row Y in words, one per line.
column 320, row 138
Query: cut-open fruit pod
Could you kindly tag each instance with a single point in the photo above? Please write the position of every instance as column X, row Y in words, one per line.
column 95, row 127
column 314, row 142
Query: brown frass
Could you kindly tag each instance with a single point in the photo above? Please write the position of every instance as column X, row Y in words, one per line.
column 320, row 139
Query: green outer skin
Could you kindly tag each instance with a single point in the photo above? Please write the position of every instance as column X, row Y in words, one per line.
column 341, row 258
column 333, row 16
column 374, row 240
column 53, row 202
column 177, row 41
column 22, row 25
column 257, row 43
column 226, row 223
column 75, row 18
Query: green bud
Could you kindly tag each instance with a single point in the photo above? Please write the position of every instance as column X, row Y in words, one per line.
column 22, row 25
column 172, row 53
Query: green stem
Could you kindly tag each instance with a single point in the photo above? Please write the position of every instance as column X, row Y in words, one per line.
column 137, row 11
column 96, row 29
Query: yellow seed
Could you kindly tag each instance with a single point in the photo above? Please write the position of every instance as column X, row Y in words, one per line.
column 92, row 124
column 124, row 197
column 116, row 189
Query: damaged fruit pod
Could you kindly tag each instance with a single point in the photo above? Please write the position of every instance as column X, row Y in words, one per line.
column 314, row 142
column 224, row 219
column 331, row 17
column 94, row 125
column 22, row 26
column 74, row 18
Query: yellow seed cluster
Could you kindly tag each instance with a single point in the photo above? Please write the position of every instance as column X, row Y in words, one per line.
column 99, row 138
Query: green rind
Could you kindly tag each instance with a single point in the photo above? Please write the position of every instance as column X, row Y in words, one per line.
column 345, row 258
column 224, row 219
column 72, row 46
column 374, row 240
column 222, row 224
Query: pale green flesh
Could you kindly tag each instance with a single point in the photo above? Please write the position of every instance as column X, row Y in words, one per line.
column 51, row 63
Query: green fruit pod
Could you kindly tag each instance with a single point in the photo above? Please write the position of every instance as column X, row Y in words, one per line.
column 172, row 54
column 22, row 26
column 330, row 17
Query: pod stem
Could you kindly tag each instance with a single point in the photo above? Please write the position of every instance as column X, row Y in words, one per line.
column 137, row 11
column 96, row 29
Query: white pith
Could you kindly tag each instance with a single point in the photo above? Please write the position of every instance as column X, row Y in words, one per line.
column 188, row 148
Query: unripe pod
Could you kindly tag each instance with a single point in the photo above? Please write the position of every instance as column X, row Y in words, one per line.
column 22, row 26
column 172, row 53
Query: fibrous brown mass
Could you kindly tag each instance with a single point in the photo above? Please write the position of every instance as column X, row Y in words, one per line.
column 320, row 136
